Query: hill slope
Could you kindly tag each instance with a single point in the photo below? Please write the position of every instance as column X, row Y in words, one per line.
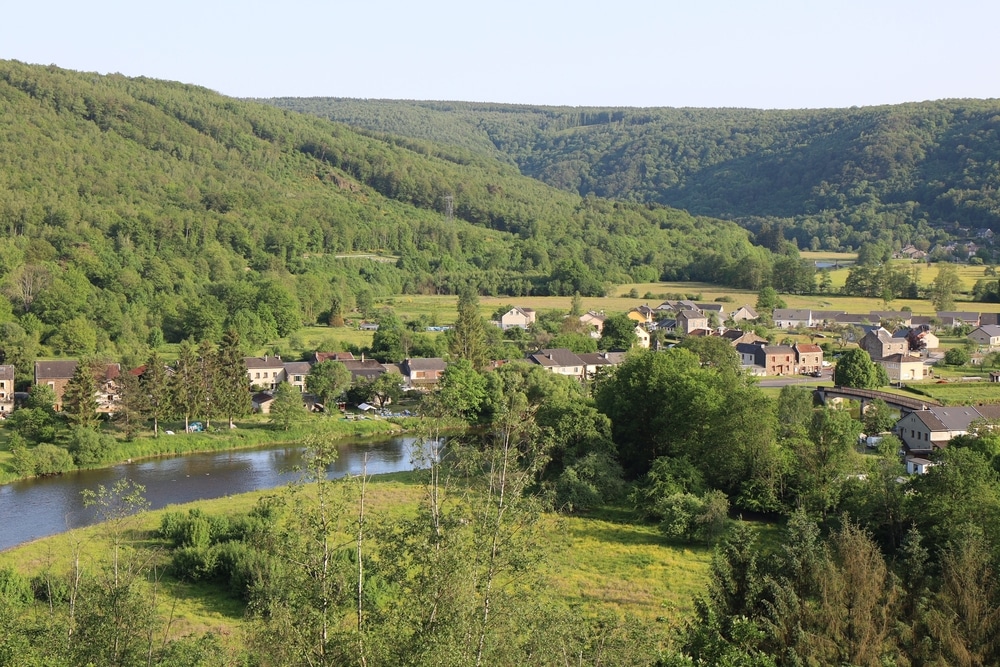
column 841, row 176
column 131, row 205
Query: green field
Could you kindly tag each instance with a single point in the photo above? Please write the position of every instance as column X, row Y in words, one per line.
column 607, row 563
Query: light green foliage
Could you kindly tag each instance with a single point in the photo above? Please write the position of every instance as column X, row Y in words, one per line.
column 878, row 417
column 328, row 380
column 462, row 389
column 946, row 285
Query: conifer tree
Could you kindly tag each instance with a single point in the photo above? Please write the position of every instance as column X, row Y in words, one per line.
column 80, row 397
column 185, row 386
column 232, row 389
column 133, row 404
column 156, row 388
column 467, row 339
column 208, row 379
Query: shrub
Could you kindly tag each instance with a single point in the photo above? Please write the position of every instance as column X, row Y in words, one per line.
column 51, row 460
column 14, row 588
column 90, row 447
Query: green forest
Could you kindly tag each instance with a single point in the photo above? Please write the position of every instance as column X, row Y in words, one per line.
column 834, row 178
column 134, row 210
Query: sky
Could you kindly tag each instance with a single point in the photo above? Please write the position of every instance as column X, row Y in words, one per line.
column 769, row 54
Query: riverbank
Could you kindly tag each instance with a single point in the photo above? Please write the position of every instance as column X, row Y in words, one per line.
column 247, row 434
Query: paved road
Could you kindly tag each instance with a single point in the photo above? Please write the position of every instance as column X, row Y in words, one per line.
column 794, row 379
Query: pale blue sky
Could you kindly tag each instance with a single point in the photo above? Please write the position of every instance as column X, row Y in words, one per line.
column 702, row 53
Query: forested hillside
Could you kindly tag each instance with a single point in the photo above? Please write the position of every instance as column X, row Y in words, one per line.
column 834, row 177
column 135, row 209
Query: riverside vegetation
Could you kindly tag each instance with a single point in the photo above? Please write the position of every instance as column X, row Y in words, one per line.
column 863, row 568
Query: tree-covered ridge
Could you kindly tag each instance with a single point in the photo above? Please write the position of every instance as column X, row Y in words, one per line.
column 842, row 176
column 129, row 206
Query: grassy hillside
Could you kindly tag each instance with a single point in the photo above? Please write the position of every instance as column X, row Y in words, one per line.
column 840, row 176
column 135, row 209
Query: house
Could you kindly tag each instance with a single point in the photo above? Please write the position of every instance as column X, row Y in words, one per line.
column 691, row 320
column 264, row 372
column 642, row 314
column 767, row 359
column 559, row 361
column 898, row 317
column 368, row 326
column 423, row 372
column 852, row 319
column 743, row 314
column 825, row 318
column 262, row 401
column 594, row 320
column 708, row 308
column 902, row 367
column 521, row 318
column 363, row 369
column 594, row 361
column 737, row 336
column 296, row 373
column 642, row 337
column 808, row 358
column 988, row 318
column 320, row 357
column 55, row 374
column 879, row 343
column 960, row 317
column 7, row 372
column 923, row 336
column 926, row 430
column 789, row 318
column 986, row 336
column 107, row 393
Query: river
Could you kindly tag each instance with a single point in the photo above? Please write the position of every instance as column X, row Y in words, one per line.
column 35, row 508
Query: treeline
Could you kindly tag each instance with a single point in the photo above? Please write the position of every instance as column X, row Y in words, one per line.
column 836, row 177
column 133, row 210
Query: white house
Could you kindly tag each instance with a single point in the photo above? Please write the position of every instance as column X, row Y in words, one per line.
column 517, row 317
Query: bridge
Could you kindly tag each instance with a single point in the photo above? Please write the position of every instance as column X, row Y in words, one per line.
column 904, row 404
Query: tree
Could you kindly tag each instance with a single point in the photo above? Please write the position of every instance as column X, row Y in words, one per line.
column 855, row 368
column 133, row 404
column 385, row 388
column 157, row 387
column 467, row 338
column 618, row 333
column 768, row 300
column 795, row 408
column 287, row 408
column 208, row 379
column 878, row 417
column 185, row 384
column 462, row 389
column 946, row 284
column 957, row 356
column 232, row 388
column 328, row 380
column 80, row 397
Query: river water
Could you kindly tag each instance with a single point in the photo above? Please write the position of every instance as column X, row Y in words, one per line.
column 36, row 508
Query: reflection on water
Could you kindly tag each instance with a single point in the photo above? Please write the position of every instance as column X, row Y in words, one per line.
column 35, row 508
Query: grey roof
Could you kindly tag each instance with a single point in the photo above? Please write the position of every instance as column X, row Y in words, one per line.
column 428, row 364
column 827, row 315
column 558, row 357
column 852, row 318
column 297, row 367
column 990, row 330
column 989, row 318
column 263, row 362
column 956, row 417
column 964, row 315
column 713, row 307
column 778, row 349
column 6, row 372
column 54, row 370
column 595, row 359
column 792, row 314
column 902, row 358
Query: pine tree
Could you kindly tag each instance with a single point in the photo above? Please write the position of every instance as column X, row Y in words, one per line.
column 467, row 339
column 80, row 397
column 156, row 388
column 133, row 404
column 185, row 386
column 232, row 389
column 208, row 378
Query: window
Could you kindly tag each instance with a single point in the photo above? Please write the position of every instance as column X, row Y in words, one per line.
column 257, row 375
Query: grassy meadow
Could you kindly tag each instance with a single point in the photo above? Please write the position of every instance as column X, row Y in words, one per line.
column 604, row 563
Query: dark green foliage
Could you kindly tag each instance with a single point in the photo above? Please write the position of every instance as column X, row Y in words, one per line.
column 328, row 380
column 79, row 397
column 957, row 356
column 287, row 408
column 89, row 447
column 618, row 333
column 831, row 178
column 855, row 368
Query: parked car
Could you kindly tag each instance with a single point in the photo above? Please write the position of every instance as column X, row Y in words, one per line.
column 196, row 427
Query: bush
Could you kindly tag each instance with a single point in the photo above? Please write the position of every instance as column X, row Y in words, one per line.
column 195, row 563
column 51, row 460
column 14, row 588
column 957, row 356
column 90, row 447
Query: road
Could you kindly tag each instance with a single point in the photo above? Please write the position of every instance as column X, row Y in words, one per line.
column 794, row 379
